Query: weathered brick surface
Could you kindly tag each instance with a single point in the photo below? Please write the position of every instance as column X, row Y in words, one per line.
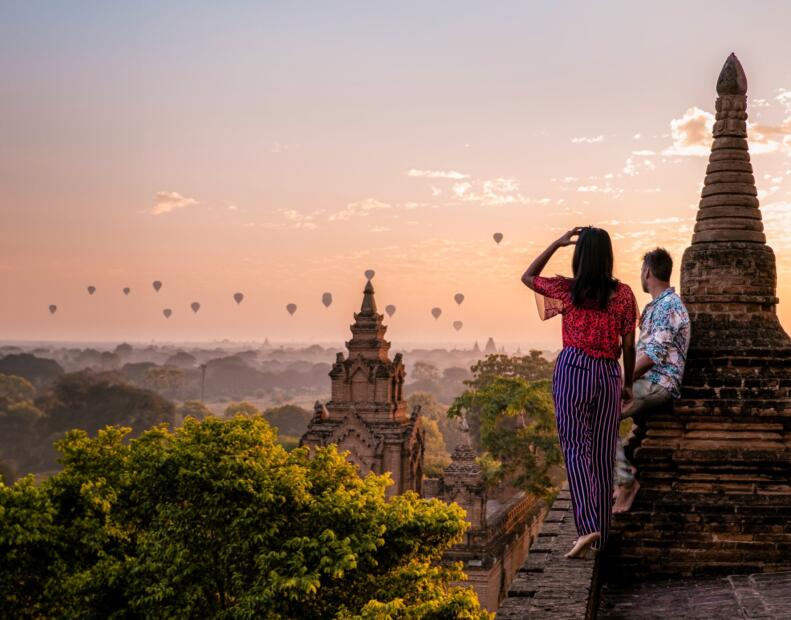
column 549, row 586
column 740, row 596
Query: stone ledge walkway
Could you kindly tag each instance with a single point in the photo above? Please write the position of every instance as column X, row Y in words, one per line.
column 766, row 596
column 549, row 586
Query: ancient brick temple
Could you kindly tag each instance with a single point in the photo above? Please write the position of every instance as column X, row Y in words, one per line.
column 715, row 469
column 367, row 414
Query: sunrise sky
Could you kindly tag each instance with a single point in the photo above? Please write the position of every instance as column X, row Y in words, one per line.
column 281, row 148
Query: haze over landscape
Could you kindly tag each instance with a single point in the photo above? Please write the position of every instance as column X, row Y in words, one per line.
column 281, row 149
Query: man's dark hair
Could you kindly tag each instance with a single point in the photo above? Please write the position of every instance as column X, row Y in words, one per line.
column 592, row 267
column 660, row 263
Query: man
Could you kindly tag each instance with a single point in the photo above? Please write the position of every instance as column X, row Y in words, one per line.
column 661, row 355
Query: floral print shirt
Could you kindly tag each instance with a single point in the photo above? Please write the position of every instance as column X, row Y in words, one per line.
column 597, row 332
column 664, row 338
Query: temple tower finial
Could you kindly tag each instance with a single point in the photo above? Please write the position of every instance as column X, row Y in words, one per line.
column 729, row 204
column 732, row 80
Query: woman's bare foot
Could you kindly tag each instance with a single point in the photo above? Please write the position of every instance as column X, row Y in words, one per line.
column 582, row 545
column 625, row 497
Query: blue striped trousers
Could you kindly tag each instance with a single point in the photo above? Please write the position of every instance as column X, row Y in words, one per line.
column 587, row 395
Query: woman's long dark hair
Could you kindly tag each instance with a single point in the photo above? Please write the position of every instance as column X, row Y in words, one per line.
column 592, row 268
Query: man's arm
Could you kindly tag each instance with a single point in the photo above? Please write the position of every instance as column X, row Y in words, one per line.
column 642, row 365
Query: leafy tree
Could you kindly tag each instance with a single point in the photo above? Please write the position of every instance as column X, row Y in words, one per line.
column 425, row 378
column 514, row 418
column 38, row 370
column 193, row 408
column 19, row 424
column 425, row 371
column 123, row 350
column 531, row 367
column 289, row 419
column 431, row 409
column 89, row 401
column 166, row 379
column 216, row 520
column 15, row 389
column 436, row 456
column 241, row 408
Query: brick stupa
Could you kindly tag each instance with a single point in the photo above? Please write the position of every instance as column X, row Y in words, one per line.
column 715, row 469
column 367, row 414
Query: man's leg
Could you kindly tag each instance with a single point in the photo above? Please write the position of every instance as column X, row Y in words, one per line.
column 646, row 394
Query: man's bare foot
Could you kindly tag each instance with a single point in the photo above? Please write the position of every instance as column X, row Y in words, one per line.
column 625, row 497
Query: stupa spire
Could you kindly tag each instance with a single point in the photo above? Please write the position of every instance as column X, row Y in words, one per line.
column 368, row 306
column 729, row 204
column 368, row 330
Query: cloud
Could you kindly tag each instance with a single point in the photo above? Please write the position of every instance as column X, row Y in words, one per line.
column 170, row 201
column 359, row 208
column 377, row 229
column 691, row 134
column 489, row 193
column 292, row 219
column 644, row 153
column 438, row 174
column 584, row 140
column 633, row 167
column 600, row 189
column 777, row 222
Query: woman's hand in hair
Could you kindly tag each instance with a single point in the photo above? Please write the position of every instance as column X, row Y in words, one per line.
column 567, row 238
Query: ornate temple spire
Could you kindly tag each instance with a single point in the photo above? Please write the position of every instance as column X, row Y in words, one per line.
column 367, row 330
column 368, row 306
column 729, row 204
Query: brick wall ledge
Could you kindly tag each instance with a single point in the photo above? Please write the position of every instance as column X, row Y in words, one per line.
column 549, row 586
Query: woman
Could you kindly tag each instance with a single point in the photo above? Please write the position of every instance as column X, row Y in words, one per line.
column 599, row 317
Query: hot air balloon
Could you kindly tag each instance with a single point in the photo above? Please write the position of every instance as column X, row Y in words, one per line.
column 91, row 290
column 167, row 312
column 195, row 306
column 157, row 285
column 369, row 273
column 326, row 299
column 498, row 237
column 457, row 325
column 459, row 298
column 126, row 290
column 292, row 308
column 238, row 297
column 435, row 312
column 53, row 308
column 390, row 309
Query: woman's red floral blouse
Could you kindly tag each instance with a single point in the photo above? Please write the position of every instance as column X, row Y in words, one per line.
column 597, row 332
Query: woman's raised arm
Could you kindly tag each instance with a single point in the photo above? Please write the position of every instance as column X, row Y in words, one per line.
column 542, row 259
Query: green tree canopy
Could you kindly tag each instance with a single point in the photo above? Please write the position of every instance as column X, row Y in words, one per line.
column 531, row 367
column 91, row 401
column 15, row 389
column 514, row 422
column 289, row 419
column 217, row 520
